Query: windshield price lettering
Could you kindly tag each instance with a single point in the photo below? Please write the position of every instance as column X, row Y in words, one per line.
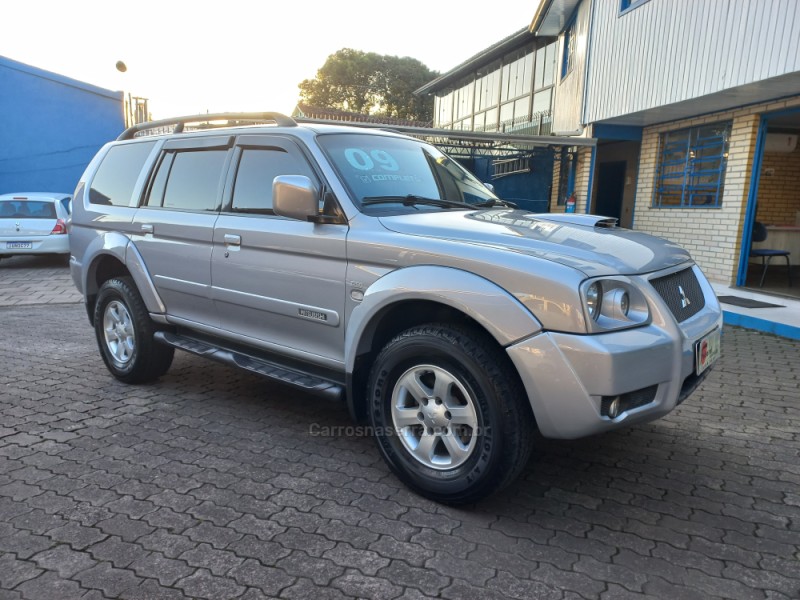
column 362, row 161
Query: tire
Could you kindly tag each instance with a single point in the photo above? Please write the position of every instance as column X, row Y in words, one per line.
column 449, row 413
column 124, row 334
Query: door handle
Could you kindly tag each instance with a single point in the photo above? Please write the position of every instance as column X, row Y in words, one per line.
column 147, row 228
column 231, row 239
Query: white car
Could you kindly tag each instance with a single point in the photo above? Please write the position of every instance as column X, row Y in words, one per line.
column 34, row 223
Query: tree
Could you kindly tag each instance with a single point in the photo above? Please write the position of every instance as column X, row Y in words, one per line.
column 370, row 83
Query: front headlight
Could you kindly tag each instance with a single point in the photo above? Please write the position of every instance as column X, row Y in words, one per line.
column 594, row 299
column 614, row 303
column 619, row 303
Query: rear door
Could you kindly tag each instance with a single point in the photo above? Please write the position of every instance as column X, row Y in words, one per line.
column 278, row 283
column 173, row 227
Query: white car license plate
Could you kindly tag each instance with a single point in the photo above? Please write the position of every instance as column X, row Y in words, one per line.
column 19, row 245
column 707, row 351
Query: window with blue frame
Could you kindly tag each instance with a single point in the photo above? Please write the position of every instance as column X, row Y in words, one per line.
column 626, row 5
column 691, row 169
column 568, row 60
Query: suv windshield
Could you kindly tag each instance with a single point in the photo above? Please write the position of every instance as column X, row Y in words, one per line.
column 403, row 175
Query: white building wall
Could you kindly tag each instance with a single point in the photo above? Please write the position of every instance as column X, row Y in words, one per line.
column 568, row 102
column 667, row 51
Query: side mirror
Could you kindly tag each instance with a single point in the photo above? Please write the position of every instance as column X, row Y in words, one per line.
column 488, row 186
column 294, row 196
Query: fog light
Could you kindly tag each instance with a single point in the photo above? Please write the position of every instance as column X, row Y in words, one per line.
column 613, row 408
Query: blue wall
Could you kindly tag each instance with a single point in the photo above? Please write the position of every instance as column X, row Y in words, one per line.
column 51, row 127
column 530, row 191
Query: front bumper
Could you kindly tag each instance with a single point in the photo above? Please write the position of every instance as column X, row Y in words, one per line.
column 567, row 376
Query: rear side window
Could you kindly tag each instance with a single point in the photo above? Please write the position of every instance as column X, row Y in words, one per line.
column 116, row 177
column 27, row 209
column 188, row 180
column 258, row 167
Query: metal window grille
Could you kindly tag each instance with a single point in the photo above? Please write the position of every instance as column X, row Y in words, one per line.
column 691, row 170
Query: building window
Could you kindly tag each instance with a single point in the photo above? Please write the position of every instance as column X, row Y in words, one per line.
column 628, row 5
column 513, row 94
column 691, row 169
column 569, row 50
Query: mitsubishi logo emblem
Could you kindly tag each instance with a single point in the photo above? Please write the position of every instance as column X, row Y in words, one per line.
column 684, row 298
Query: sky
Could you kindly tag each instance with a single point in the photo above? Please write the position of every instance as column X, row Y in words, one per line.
column 234, row 55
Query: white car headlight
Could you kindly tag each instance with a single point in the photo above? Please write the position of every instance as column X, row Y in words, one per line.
column 613, row 303
column 594, row 299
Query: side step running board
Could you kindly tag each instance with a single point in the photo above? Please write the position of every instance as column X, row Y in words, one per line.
column 296, row 379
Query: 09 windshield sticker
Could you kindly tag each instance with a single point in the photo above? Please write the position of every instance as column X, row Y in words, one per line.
column 375, row 165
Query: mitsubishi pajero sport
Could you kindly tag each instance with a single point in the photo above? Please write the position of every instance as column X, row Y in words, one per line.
column 370, row 266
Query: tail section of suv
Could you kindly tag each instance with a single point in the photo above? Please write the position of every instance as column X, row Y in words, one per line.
column 367, row 265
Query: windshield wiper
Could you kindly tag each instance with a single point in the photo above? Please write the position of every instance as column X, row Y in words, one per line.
column 411, row 200
column 496, row 202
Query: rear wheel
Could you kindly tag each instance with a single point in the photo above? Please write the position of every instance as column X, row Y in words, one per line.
column 449, row 413
column 124, row 334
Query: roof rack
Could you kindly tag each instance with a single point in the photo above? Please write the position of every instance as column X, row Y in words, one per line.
column 278, row 118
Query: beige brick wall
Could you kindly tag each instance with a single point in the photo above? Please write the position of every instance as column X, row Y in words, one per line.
column 779, row 188
column 712, row 235
column 554, row 206
column 582, row 178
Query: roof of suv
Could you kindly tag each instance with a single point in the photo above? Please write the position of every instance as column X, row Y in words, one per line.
column 247, row 122
column 238, row 123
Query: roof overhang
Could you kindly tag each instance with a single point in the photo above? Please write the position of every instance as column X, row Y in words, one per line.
column 552, row 17
column 757, row 92
column 477, row 137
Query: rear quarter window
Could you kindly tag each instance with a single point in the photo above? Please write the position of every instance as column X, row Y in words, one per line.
column 116, row 177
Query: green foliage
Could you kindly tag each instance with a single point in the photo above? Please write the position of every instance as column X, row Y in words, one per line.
column 370, row 83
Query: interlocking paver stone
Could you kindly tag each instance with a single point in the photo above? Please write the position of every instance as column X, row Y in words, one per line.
column 219, row 562
column 111, row 581
column 203, row 584
column 51, row 585
column 64, row 560
column 208, row 484
column 14, row 571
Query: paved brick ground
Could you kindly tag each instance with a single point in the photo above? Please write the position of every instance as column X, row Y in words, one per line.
column 210, row 484
column 36, row 280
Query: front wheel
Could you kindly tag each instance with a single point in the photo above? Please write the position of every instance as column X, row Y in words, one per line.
column 124, row 334
column 449, row 413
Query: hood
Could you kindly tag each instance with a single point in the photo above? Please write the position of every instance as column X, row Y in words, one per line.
column 588, row 243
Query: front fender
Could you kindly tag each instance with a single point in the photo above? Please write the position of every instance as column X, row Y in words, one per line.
column 501, row 314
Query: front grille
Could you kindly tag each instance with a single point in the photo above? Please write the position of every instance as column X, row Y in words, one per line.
column 682, row 293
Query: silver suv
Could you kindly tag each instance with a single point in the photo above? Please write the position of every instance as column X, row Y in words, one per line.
column 368, row 265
